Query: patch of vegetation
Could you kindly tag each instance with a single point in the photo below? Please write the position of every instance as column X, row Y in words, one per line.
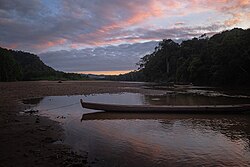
column 222, row 60
column 19, row 65
column 10, row 70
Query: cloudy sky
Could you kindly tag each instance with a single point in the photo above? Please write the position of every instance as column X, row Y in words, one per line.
column 79, row 33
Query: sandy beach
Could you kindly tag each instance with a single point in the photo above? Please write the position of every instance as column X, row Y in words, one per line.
column 28, row 140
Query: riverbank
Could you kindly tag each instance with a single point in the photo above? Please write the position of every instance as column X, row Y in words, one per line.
column 28, row 140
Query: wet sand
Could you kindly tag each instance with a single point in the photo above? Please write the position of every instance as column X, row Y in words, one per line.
column 28, row 140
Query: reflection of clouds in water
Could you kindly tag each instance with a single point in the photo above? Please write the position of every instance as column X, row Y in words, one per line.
column 236, row 129
column 180, row 138
column 152, row 139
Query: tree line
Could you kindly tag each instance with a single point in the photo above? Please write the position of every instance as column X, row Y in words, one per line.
column 19, row 65
column 221, row 60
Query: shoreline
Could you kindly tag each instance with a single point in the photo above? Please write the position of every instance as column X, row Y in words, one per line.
column 28, row 140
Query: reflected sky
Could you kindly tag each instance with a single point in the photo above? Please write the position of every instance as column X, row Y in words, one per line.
column 115, row 139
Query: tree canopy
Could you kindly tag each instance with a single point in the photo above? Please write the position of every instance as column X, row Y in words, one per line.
column 223, row 59
column 19, row 65
column 9, row 68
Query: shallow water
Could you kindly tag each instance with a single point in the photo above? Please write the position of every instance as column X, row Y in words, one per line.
column 120, row 139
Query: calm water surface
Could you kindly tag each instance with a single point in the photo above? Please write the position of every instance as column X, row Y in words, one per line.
column 113, row 139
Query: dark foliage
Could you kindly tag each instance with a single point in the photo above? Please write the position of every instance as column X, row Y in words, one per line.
column 131, row 76
column 9, row 68
column 222, row 60
column 18, row 65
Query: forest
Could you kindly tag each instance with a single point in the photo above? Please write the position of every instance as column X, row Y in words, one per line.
column 220, row 60
column 19, row 66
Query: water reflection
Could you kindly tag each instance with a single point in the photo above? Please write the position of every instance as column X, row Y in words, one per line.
column 233, row 126
column 128, row 116
column 193, row 99
column 121, row 139
column 200, row 140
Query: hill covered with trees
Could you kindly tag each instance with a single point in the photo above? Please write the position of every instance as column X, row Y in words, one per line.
column 222, row 60
column 19, row 65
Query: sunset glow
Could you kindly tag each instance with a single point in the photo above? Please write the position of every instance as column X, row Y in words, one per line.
column 104, row 72
column 62, row 25
column 53, row 25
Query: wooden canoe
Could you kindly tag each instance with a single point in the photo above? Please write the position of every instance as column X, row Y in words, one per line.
column 235, row 109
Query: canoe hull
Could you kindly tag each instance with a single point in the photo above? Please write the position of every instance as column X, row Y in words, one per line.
column 245, row 108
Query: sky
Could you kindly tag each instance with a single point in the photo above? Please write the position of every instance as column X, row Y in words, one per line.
column 68, row 31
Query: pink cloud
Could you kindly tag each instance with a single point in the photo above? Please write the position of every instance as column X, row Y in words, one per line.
column 88, row 23
column 157, row 9
column 9, row 46
column 50, row 44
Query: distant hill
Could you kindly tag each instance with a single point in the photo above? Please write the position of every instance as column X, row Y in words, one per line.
column 221, row 60
column 10, row 70
column 19, row 65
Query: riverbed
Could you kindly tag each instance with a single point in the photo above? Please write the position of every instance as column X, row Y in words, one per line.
column 122, row 139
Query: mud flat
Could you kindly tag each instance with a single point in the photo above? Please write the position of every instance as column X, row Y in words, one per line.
column 29, row 140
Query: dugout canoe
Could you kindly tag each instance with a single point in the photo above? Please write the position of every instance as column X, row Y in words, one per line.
column 235, row 109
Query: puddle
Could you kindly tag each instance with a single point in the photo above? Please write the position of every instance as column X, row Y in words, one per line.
column 122, row 139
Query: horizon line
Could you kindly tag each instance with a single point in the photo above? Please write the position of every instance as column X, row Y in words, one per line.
column 111, row 72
